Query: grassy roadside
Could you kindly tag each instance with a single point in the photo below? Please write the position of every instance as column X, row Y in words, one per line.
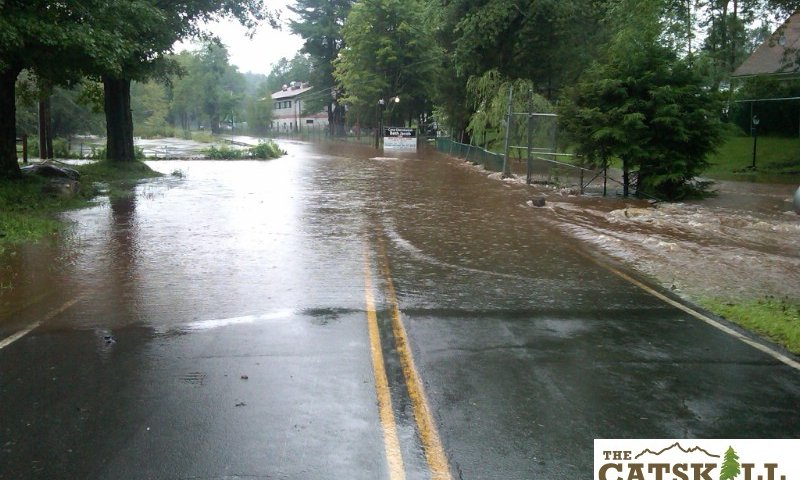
column 777, row 160
column 27, row 213
column 774, row 318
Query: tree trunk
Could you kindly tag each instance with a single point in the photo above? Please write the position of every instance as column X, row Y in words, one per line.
column 626, row 178
column 45, row 128
column 331, row 121
column 689, row 25
column 733, row 25
column 9, row 168
column 119, row 121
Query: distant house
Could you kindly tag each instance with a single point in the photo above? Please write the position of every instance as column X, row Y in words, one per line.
column 288, row 107
column 778, row 55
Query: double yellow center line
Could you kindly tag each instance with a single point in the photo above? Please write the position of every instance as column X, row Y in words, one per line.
column 428, row 433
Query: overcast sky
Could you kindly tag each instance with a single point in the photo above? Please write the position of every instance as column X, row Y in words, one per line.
column 258, row 54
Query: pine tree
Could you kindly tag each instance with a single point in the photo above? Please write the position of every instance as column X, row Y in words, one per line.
column 730, row 467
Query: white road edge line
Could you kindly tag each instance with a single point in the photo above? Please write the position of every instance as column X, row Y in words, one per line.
column 704, row 318
column 33, row 326
column 13, row 338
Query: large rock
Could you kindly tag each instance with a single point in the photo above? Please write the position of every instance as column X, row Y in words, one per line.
column 48, row 170
column 537, row 202
column 797, row 200
column 62, row 181
column 61, row 187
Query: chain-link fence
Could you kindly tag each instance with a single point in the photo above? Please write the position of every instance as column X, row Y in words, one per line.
column 544, row 167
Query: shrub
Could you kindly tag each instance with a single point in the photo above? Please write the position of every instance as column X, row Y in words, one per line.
column 266, row 150
column 223, row 153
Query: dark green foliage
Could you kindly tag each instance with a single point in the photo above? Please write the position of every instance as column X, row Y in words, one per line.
column 775, row 117
column 649, row 108
column 390, row 53
column 320, row 25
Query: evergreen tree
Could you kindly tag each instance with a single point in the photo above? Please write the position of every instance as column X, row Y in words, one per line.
column 388, row 55
column 646, row 106
column 730, row 467
column 320, row 25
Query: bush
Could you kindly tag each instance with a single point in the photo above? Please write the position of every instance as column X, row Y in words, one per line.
column 61, row 148
column 266, row 150
column 263, row 151
column 223, row 153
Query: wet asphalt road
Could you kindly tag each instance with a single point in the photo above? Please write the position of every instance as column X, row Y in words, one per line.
column 216, row 325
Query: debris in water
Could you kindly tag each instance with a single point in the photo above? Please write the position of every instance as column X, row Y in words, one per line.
column 245, row 377
column 537, row 202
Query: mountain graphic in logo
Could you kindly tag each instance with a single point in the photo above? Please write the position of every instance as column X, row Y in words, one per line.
column 679, row 447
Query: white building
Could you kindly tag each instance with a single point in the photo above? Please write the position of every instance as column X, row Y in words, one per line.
column 287, row 109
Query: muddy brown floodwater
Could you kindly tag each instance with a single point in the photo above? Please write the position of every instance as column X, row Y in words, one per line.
column 743, row 243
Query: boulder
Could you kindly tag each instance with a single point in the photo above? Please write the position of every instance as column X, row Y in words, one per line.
column 797, row 201
column 61, row 187
column 48, row 170
column 538, row 202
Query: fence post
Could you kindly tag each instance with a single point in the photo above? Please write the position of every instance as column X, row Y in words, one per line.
column 506, row 167
column 25, row 148
column 529, row 177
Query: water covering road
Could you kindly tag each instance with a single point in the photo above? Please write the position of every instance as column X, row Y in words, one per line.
column 215, row 324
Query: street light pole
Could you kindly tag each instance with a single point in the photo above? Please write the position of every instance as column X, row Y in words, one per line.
column 754, row 131
column 378, row 122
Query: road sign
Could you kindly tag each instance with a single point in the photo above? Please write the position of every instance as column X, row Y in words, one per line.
column 400, row 138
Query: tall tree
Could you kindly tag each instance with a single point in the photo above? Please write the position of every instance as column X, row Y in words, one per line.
column 258, row 110
column 320, row 25
column 388, row 55
column 285, row 70
column 53, row 39
column 546, row 41
column 170, row 22
column 645, row 105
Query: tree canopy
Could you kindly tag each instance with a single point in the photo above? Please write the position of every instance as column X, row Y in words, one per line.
column 388, row 54
column 645, row 105
column 643, row 88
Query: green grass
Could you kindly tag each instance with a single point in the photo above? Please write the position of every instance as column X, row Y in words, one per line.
column 774, row 318
column 263, row 151
column 28, row 214
column 777, row 160
column 202, row 137
column 25, row 213
column 105, row 171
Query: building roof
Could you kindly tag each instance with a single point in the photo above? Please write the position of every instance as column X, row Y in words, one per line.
column 778, row 55
column 291, row 91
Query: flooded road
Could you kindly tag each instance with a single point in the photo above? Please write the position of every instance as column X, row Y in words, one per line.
column 217, row 324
